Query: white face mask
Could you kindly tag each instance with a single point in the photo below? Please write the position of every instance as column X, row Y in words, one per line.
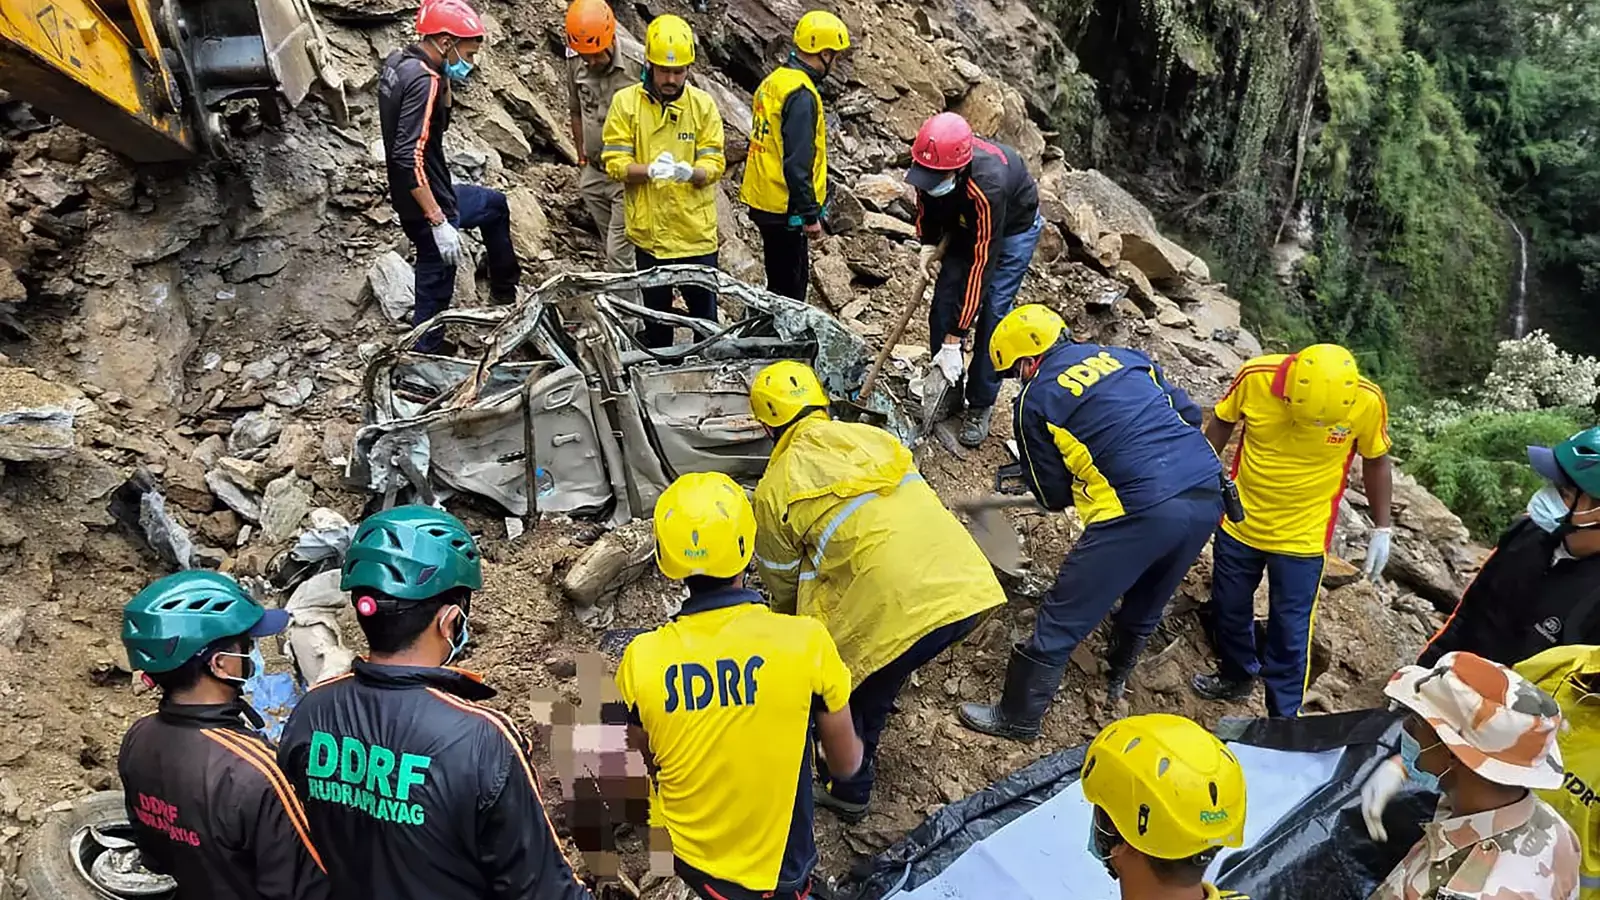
column 943, row 187
column 1547, row 509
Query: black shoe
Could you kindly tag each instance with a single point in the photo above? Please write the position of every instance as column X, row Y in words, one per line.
column 1029, row 687
column 1122, row 654
column 1216, row 686
column 849, row 813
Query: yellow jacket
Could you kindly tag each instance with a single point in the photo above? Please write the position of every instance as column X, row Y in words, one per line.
column 1570, row 674
column 668, row 220
column 848, row 532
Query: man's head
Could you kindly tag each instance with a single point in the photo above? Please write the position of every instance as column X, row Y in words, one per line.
column 940, row 154
column 1320, row 384
column 1021, row 339
column 452, row 33
column 1473, row 720
column 1167, row 795
column 591, row 31
column 1570, row 504
column 785, row 392
column 411, row 572
column 196, row 629
column 705, row 531
column 820, row 39
column 669, row 50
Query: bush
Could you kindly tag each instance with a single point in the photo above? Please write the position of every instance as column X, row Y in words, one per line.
column 1533, row 373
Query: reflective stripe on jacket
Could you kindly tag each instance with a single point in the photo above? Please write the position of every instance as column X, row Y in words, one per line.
column 668, row 220
column 787, row 171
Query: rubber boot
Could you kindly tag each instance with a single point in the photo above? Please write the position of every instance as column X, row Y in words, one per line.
column 1122, row 653
column 1216, row 686
column 975, row 426
column 1029, row 687
column 848, row 812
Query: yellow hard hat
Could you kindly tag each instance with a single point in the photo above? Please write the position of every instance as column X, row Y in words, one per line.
column 821, row 30
column 669, row 41
column 1169, row 786
column 704, row 526
column 1322, row 385
column 1025, row 331
column 782, row 390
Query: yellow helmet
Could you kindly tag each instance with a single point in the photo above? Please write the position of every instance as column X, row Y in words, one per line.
column 782, row 390
column 1025, row 331
column 669, row 42
column 821, row 30
column 704, row 526
column 1322, row 385
column 1169, row 786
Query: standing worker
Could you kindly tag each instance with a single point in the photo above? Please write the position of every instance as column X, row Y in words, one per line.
column 1541, row 586
column 206, row 800
column 602, row 64
column 663, row 142
column 845, row 530
column 982, row 197
column 413, row 789
column 725, row 697
column 1101, row 429
column 414, row 99
column 1167, row 796
column 1306, row 417
column 786, row 176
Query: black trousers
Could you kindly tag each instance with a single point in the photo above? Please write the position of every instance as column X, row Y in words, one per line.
column 786, row 252
column 702, row 301
column 709, row 888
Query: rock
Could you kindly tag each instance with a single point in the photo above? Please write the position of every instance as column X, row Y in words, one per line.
column 1117, row 212
column 967, row 69
column 1052, row 245
column 889, row 225
column 1168, row 314
column 530, row 229
column 831, row 276
column 734, row 256
column 261, row 369
column 1139, row 287
column 221, row 528
column 1425, row 514
column 208, row 451
column 49, row 187
column 290, row 395
column 285, row 502
column 1336, row 573
column 845, row 212
column 233, row 495
column 338, row 436
column 550, row 131
column 498, row 130
column 998, row 111
column 247, row 474
column 11, row 289
column 392, row 283
column 184, row 482
column 1418, row 565
column 253, row 430
column 37, row 417
column 258, row 259
column 613, row 562
column 885, row 194
column 297, row 449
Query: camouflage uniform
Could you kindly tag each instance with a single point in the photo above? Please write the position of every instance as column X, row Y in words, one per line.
column 590, row 94
column 1519, row 852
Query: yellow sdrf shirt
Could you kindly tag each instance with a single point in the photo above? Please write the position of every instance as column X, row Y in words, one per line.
column 764, row 186
column 1569, row 674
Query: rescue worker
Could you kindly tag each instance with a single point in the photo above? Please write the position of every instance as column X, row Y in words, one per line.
column 663, row 142
column 413, row 789
column 1541, row 587
column 722, row 698
column 1306, row 418
column 602, row 62
column 1101, row 429
column 786, row 174
column 1571, row 676
column 1167, row 796
column 206, row 800
column 414, row 100
column 845, row 527
column 982, row 197
column 1481, row 736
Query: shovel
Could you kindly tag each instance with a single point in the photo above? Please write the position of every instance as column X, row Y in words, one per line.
column 993, row 531
column 919, row 288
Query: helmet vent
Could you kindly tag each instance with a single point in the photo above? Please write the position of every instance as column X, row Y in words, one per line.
column 390, row 538
column 394, row 572
column 170, row 605
column 199, row 603
column 426, row 574
column 1144, row 818
column 1090, row 767
column 1131, row 744
column 1163, row 766
column 222, row 606
column 1213, row 786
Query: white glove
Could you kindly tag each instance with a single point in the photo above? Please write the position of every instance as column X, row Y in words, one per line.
column 1380, row 788
column 949, row 360
column 448, row 240
column 925, row 258
column 663, row 169
column 1378, row 552
column 682, row 171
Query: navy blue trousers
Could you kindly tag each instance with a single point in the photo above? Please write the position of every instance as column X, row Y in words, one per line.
column 1284, row 664
column 476, row 207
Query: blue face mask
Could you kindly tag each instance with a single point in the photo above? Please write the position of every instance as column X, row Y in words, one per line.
column 1409, row 751
column 459, row 642
column 1547, row 509
column 456, row 71
column 943, row 187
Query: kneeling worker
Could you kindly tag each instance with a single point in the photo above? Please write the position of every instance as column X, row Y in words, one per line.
column 724, row 695
column 1167, row 797
column 845, row 532
column 1099, row 428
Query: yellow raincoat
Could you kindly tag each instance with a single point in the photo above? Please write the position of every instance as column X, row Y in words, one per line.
column 848, row 532
column 1571, row 675
column 668, row 220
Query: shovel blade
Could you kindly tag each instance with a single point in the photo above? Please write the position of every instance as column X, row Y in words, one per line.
column 935, row 391
column 995, row 536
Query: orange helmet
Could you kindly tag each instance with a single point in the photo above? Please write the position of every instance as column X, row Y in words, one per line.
column 591, row 26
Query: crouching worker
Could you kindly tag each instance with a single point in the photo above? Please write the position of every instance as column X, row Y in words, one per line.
column 1167, row 797
column 414, row 791
column 724, row 699
column 848, row 533
column 207, row 802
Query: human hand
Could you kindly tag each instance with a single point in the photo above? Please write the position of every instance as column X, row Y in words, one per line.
column 1378, row 548
column 682, row 171
column 813, row 230
column 950, row 361
column 448, row 242
column 926, row 257
column 1380, row 788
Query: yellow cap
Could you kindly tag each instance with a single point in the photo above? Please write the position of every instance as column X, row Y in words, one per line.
column 782, row 390
column 704, row 526
column 669, row 42
column 821, row 30
column 1322, row 385
column 1025, row 331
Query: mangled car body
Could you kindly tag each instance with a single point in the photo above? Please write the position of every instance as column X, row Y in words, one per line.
column 564, row 398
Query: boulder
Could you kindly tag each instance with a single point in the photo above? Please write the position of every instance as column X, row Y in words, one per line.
column 1418, row 565
column 247, row 474
column 392, row 283
column 501, row 132
column 734, row 256
column 831, row 276
column 1115, row 211
column 550, row 131
column 297, row 449
column 252, row 431
column 888, row 225
column 291, row 394
column 37, row 417
column 845, row 211
column 1139, row 287
column 530, row 229
column 233, row 495
column 618, row 559
column 1052, row 246
column 283, row 505
column 11, row 289
column 886, row 194
column 185, row 484
column 208, row 451
column 1169, row 315
column 1425, row 514
column 1336, row 573
column 221, row 529
column 997, row 111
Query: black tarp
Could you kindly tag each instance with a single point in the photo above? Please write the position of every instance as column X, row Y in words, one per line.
column 1320, row 849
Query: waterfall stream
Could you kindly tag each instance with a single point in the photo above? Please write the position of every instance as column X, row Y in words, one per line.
column 1519, row 303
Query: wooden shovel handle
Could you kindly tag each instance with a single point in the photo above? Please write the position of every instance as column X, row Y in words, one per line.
column 920, row 287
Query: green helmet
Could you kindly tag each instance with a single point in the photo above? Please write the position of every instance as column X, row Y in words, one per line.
column 1574, row 461
column 179, row 616
column 412, row 553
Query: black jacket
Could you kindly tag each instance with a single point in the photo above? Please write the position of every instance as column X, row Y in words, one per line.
column 415, row 792
column 210, row 807
column 1520, row 604
column 994, row 199
column 413, row 112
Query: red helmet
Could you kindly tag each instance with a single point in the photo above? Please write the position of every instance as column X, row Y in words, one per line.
column 452, row 17
column 943, row 143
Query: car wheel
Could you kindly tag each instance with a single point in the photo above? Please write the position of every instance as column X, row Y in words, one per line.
column 87, row 853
